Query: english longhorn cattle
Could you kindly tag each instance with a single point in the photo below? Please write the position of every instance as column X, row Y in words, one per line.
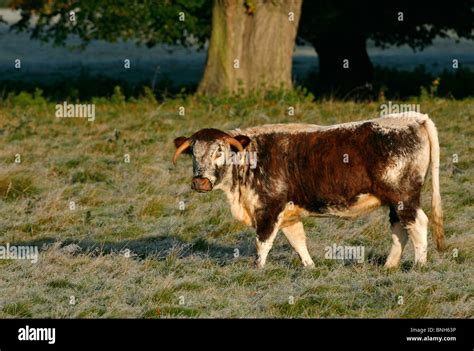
column 343, row 170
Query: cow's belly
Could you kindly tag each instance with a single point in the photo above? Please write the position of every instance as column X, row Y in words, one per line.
column 364, row 204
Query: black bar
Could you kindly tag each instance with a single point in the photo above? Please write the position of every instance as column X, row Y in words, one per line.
column 315, row 334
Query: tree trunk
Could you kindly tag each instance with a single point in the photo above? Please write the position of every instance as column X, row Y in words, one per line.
column 251, row 46
column 336, row 74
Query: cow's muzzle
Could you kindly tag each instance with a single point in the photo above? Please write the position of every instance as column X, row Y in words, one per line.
column 201, row 184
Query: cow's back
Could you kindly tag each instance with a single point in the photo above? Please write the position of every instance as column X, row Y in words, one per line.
column 321, row 167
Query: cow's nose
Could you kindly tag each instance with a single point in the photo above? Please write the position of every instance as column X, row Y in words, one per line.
column 201, row 184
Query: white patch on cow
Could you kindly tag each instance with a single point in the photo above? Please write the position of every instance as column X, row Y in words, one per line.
column 418, row 160
column 365, row 203
column 393, row 173
column 418, row 234
column 400, row 238
column 243, row 203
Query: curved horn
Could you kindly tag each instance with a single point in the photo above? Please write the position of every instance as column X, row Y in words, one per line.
column 235, row 143
column 180, row 150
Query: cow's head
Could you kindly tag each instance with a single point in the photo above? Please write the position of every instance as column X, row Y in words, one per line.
column 210, row 150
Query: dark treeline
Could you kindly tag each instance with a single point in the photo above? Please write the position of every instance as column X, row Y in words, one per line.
column 229, row 30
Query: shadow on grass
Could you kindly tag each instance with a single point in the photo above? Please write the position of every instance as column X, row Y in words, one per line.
column 379, row 261
column 376, row 259
column 162, row 247
column 159, row 248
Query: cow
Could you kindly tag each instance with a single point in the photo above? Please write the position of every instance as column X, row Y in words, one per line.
column 344, row 170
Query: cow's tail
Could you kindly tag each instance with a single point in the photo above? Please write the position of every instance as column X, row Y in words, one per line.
column 436, row 209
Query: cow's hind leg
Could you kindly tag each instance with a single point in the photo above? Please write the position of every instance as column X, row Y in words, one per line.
column 399, row 237
column 297, row 238
column 418, row 233
column 415, row 221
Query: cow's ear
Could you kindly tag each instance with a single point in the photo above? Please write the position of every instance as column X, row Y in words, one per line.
column 179, row 141
column 243, row 140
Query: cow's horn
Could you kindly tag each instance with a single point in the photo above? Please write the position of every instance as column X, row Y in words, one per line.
column 235, row 142
column 180, row 150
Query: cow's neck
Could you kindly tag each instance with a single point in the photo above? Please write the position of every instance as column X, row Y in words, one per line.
column 243, row 200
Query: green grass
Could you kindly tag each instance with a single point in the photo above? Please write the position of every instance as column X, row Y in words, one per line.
column 181, row 262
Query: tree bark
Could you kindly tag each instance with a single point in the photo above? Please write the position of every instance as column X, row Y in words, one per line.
column 251, row 46
column 336, row 74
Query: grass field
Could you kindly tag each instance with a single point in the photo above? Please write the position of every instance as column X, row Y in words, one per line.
column 129, row 250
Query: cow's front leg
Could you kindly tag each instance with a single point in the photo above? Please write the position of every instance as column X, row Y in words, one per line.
column 267, row 229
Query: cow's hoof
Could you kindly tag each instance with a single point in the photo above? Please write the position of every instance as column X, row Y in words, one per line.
column 391, row 264
column 420, row 264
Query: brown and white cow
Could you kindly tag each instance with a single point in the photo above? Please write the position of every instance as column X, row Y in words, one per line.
column 343, row 170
